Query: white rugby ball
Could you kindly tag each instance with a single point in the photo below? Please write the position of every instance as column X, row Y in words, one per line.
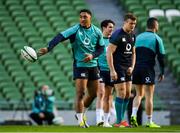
column 58, row 121
column 29, row 54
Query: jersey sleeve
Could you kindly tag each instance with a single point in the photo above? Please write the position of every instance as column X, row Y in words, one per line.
column 99, row 34
column 101, row 41
column 62, row 36
column 160, row 53
column 160, row 45
column 114, row 39
column 70, row 31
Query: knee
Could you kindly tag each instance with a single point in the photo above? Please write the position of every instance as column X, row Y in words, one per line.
column 149, row 100
column 106, row 98
column 100, row 95
column 80, row 95
column 128, row 95
column 139, row 97
column 121, row 92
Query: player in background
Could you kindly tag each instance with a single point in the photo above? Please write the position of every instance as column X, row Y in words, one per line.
column 121, row 60
column 148, row 46
column 87, row 44
column 105, row 86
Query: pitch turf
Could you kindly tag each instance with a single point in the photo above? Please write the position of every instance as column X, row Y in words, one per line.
column 70, row 129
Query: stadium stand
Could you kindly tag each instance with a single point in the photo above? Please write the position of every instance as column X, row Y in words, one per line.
column 34, row 23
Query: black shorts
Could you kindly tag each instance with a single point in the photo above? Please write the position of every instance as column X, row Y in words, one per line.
column 143, row 75
column 90, row 73
column 122, row 76
column 106, row 78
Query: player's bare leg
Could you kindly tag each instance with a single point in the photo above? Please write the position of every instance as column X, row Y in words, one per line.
column 81, row 85
column 92, row 87
column 99, row 105
column 107, row 105
column 128, row 89
column 149, row 92
column 136, row 103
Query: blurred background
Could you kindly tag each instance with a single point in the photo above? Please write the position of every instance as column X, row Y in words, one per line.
column 36, row 22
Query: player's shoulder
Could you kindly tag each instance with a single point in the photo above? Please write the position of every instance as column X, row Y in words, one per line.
column 146, row 34
column 118, row 32
column 71, row 30
column 96, row 29
column 75, row 27
column 159, row 39
column 157, row 36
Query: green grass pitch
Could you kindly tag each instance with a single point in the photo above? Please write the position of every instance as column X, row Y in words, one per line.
column 71, row 129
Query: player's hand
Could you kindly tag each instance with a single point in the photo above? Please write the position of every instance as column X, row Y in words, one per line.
column 41, row 115
column 88, row 57
column 114, row 76
column 42, row 51
column 129, row 71
column 160, row 77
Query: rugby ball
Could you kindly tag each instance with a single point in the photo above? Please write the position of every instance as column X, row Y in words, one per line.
column 29, row 54
column 58, row 121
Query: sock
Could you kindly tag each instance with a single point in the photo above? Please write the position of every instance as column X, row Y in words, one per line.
column 80, row 117
column 113, row 110
column 112, row 117
column 125, row 104
column 149, row 119
column 119, row 109
column 102, row 114
column 106, row 117
column 134, row 111
column 99, row 115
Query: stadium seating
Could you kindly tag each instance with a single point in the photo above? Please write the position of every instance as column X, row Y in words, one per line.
column 34, row 23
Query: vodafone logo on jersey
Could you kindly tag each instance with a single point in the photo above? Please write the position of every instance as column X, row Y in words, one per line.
column 128, row 49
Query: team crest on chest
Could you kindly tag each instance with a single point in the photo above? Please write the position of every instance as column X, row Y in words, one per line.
column 123, row 39
column 133, row 39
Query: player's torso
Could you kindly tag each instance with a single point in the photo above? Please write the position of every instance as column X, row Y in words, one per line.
column 146, row 49
column 85, row 43
column 123, row 54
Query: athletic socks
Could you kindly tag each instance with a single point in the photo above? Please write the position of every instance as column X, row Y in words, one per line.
column 125, row 104
column 99, row 115
column 134, row 111
column 119, row 109
column 149, row 119
column 106, row 117
column 80, row 117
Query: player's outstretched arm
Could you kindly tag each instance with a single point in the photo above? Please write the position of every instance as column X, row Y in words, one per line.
column 58, row 38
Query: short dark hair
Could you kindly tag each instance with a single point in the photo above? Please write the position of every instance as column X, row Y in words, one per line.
column 151, row 22
column 130, row 16
column 85, row 10
column 105, row 23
